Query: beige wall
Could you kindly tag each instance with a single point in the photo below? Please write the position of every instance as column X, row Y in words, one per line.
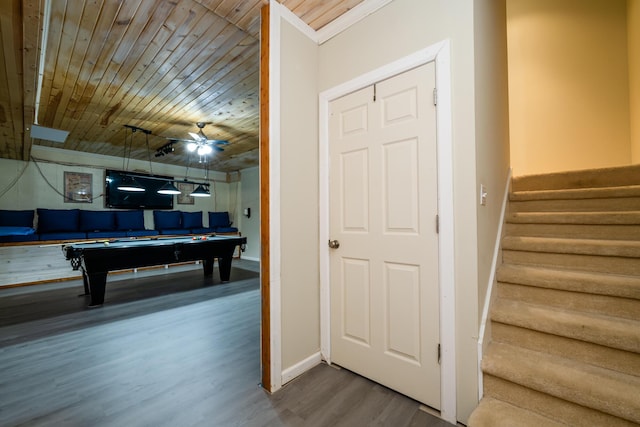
column 401, row 28
column 492, row 128
column 250, row 198
column 568, row 85
column 300, row 282
column 633, row 26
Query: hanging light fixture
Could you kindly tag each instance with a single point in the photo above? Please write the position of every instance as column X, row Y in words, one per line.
column 200, row 191
column 168, row 188
column 128, row 182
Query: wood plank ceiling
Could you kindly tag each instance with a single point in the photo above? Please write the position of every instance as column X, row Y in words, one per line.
column 158, row 65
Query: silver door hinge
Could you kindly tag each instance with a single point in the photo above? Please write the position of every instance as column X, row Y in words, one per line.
column 437, row 223
column 435, row 96
column 439, row 354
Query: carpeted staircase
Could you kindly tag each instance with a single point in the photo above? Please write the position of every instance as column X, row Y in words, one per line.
column 565, row 324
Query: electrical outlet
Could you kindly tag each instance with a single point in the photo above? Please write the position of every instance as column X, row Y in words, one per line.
column 483, row 195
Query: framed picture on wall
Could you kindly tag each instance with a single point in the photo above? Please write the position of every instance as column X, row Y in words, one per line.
column 78, row 187
column 185, row 189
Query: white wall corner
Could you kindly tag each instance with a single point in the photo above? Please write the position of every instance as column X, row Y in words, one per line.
column 484, row 335
column 294, row 20
column 275, row 326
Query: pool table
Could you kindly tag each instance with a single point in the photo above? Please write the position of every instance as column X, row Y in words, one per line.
column 98, row 258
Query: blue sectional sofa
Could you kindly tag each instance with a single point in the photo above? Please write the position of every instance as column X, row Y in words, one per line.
column 17, row 226
column 77, row 224
column 178, row 222
column 220, row 223
column 71, row 224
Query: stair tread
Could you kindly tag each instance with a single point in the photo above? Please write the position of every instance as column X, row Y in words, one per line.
column 584, row 218
column 623, row 334
column 496, row 413
column 588, row 178
column 577, row 193
column 599, row 388
column 600, row 247
column 569, row 280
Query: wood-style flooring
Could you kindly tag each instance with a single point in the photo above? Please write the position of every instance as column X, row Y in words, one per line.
column 168, row 348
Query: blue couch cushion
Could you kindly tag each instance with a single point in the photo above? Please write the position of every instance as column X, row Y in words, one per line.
column 129, row 220
column 142, row 233
column 201, row 230
column 163, row 220
column 54, row 220
column 11, row 238
column 97, row 221
column 16, row 218
column 105, row 234
column 226, row 230
column 219, row 219
column 192, row 219
column 170, row 231
column 64, row 235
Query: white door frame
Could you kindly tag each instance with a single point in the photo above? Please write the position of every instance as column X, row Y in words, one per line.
column 440, row 53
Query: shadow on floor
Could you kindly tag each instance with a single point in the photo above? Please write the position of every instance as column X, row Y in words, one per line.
column 126, row 296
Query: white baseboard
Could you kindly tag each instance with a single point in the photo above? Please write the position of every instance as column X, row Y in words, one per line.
column 250, row 258
column 301, row 367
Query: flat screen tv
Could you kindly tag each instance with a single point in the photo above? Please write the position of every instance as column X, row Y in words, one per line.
column 148, row 199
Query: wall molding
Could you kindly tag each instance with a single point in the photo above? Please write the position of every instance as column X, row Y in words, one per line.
column 301, row 367
column 482, row 334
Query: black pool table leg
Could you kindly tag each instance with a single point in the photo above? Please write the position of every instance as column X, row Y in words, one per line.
column 207, row 266
column 224, row 265
column 97, row 284
column 85, row 283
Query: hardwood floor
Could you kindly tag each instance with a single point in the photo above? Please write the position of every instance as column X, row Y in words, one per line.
column 166, row 349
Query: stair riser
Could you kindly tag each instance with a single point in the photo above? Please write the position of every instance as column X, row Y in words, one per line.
column 570, row 231
column 549, row 406
column 607, row 177
column 579, row 205
column 581, row 351
column 600, row 389
column 586, row 282
column 619, row 334
column 598, row 304
column 603, row 264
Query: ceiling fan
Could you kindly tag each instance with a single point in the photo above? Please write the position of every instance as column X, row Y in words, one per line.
column 200, row 143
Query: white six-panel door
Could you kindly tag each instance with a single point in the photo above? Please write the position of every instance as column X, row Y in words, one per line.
column 383, row 207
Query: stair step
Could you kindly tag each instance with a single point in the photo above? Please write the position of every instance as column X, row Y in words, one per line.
column 580, row 218
column 623, row 334
column 496, row 413
column 613, row 248
column 527, row 202
column 574, row 231
column 567, row 413
column 591, row 178
column 608, row 256
column 605, row 357
column 595, row 283
column 626, row 308
column 626, row 191
column 601, row 389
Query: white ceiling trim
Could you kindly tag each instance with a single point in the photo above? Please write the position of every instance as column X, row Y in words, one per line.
column 349, row 18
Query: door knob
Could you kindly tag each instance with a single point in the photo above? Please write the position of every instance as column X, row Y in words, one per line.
column 334, row 244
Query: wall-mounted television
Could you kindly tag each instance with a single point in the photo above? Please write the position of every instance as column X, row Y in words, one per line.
column 148, row 199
